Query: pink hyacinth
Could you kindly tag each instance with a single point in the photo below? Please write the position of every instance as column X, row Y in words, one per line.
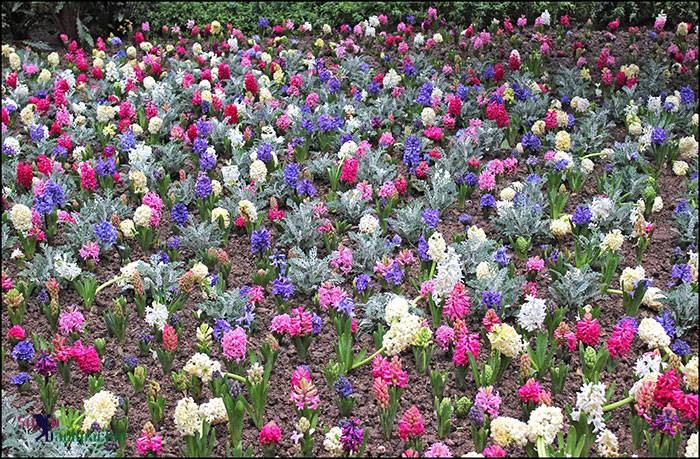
column 90, row 250
column 438, row 449
column 490, row 319
column 620, row 342
column 588, row 330
column 86, row 357
column 149, row 443
column 487, row 181
column 300, row 323
column 443, row 337
column 329, row 295
column 457, row 305
column 391, row 371
column 269, row 434
column 426, row 288
column 304, row 393
column 342, row 260
column 388, row 190
column 234, row 343
column 465, row 344
column 411, row 425
column 488, row 400
column 531, row 391
column 280, row 324
column 494, row 451
column 535, row 264
column 71, row 321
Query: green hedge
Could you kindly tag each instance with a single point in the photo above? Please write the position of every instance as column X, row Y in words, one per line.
column 245, row 15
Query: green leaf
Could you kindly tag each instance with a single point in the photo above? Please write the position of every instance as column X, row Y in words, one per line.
column 84, row 33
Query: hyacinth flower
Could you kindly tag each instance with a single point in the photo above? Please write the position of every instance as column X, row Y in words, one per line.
column 423, row 349
column 301, row 326
column 343, row 318
column 257, row 380
column 305, row 397
column 269, row 437
column 46, row 368
column 116, row 319
column 411, row 428
column 389, row 383
column 166, row 353
column 344, row 395
column 13, row 300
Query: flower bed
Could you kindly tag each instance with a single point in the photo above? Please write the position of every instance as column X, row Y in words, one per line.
column 400, row 237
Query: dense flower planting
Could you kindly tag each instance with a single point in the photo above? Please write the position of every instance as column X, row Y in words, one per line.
column 398, row 237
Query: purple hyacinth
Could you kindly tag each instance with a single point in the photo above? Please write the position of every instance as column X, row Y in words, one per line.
column 491, row 300
column 23, row 351
column 221, row 326
column 582, row 215
column 412, row 152
column 20, row 379
column 282, row 287
column 46, row 365
column 658, row 136
column 362, row 282
column 342, row 387
column 203, row 186
column 352, row 435
column 487, row 202
column 346, row 306
column 431, row 218
column 106, row 232
column 260, row 241
column 179, row 214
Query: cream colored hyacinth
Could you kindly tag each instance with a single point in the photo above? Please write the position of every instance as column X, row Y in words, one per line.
column 612, row 242
column 652, row 333
column 506, row 431
column 213, row 411
column 142, row 216
column 545, row 422
column 630, row 276
column 202, row 366
column 436, row 246
column 187, row 418
column 506, row 340
column 100, row 408
column 690, row 374
column 21, row 217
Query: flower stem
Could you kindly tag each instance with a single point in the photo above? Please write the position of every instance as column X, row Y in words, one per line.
column 368, row 359
column 593, row 155
column 618, row 404
column 615, row 291
column 108, row 283
column 541, row 447
column 236, row 377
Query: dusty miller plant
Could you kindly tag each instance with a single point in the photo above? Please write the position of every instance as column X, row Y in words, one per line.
column 306, row 271
column 474, row 251
column 349, row 206
column 576, row 288
column 682, row 301
column 509, row 287
column 229, row 305
column 442, row 190
column 375, row 169
column 299, row 226
column 368, row 248
column 199, row 238
column 407, row 221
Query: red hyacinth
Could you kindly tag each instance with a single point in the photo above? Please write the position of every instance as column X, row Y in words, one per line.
column 251, row 84
column 349, row 172
column 25, row 174
column 169, row 338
